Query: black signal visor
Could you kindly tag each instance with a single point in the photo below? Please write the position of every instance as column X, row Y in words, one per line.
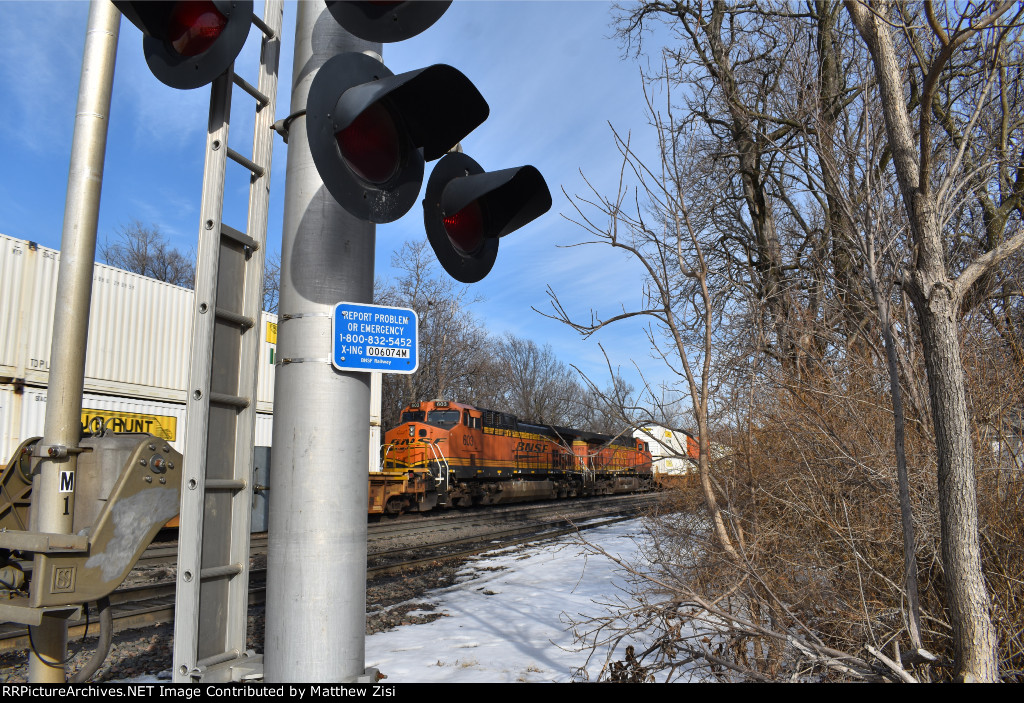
column 466, row 210
column 512, row 197
column 438, row 106
column 387, row 21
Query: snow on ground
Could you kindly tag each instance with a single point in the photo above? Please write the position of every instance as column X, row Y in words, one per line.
column 506, row 618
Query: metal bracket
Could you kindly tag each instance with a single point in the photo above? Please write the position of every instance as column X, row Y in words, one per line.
column 56, row 451
column 42, row 542
column 296, row 315
column 301, row 360
column 282, row 127
column 229, row 667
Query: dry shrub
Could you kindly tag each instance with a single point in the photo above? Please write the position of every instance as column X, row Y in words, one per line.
column 815, row 483
column 813, row 491
column 811, row 496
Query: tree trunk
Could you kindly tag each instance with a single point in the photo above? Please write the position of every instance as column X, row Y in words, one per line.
column 974, row 637
column 932, row 293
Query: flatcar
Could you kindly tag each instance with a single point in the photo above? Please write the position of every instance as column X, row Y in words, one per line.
column 446, row 454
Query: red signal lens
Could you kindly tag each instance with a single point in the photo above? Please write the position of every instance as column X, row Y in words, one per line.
column 194, row 27
column 465, row 228
column 371, row 146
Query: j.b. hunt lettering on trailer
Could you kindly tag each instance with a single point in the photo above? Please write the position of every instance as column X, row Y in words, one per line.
column 162, row 426
column 374, row 338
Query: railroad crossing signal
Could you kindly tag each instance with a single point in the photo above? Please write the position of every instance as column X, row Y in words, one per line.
column 370, row 132
column 466, row 210
column 188, row 44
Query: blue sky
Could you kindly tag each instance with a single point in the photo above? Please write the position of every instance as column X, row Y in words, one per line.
column 552, row 73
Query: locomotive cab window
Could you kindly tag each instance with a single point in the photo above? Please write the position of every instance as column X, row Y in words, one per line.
column 443, row 418
column 413, row 416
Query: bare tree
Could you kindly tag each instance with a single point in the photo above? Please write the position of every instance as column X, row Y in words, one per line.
column 862, row 208
column 678, row 300
column 143, row 249
column 271, row 282
column 744, row 108
column 615, row 408
column 929, row 179
column 459, row 360
column 535, row 386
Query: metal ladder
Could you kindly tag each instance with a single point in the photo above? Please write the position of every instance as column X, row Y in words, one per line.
column 213, row 540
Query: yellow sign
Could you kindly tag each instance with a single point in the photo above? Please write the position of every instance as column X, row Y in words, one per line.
column 162, row 426
column 272, row 333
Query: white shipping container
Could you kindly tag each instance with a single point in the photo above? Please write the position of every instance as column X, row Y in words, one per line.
column 136, row 365
column 264, row 429
column 668, row 450
column 268, row 356
column 160, row 418
column 10, row 422
column 140, row 329
column 23, row 415
column 22, row 298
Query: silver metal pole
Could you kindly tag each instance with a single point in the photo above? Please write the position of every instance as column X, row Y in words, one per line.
column 52, row 510
column 316, row 561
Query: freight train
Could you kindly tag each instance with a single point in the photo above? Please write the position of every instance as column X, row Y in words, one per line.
column 446, row 454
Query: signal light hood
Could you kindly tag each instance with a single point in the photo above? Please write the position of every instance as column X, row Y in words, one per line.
column 431, row 110
column 467, row 246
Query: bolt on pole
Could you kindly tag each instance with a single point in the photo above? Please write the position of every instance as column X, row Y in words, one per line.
column 316, row 561
column 52, row 511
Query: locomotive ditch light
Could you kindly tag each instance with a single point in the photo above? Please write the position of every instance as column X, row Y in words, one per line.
column 370, row 131
column 466, row 210
column 385, row 22
column 189, row 44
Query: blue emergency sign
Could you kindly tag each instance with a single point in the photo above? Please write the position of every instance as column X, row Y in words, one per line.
column 374, row 338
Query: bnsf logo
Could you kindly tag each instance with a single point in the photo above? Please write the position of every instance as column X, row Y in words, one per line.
column 424, row 440
column 530, row 447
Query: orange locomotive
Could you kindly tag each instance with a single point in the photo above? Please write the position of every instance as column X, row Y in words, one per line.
column 448, row 454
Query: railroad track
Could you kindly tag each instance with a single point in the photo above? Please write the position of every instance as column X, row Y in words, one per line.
column 476, row 545
column 149, row 604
